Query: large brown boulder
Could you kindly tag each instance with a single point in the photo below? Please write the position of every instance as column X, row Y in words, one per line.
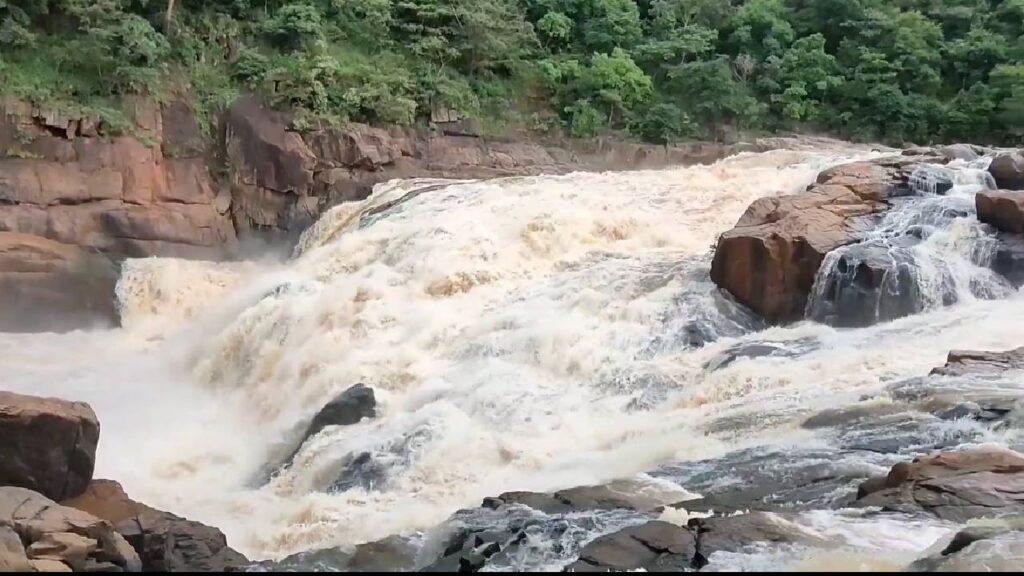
column 163, row 541
column 55, row 538
column 1008, row 170
column 49, row 445
column 769, row 260
column 1003, row 209
column 955, row 486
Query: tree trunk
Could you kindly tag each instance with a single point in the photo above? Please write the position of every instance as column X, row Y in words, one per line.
column 168, row 17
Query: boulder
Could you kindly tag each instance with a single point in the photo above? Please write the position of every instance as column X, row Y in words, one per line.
column 1003, row 209
column 960, row 362
column 49, row 444
column 955, row 486
column 1008, row 170
column 652, row 547
column 57, row 538
column 347, row 408
column 769, row 260
column 959, row 152
column 164, row 542
column 12, row 552
column 581, row 498
column 738, row 532
column 1008, row 260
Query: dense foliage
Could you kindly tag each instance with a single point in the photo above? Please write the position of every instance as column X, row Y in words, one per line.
column 665, row 70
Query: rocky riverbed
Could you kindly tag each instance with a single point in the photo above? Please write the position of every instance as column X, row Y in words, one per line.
column 556, row 373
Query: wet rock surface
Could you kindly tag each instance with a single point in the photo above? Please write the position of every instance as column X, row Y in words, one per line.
column 49, row 445
column 653, row 547
column 997, row 546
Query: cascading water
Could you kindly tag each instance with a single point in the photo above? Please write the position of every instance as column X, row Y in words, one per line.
column 929, row 250
column 521, row 334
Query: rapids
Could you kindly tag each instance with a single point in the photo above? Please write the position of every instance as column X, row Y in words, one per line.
column 521, row 334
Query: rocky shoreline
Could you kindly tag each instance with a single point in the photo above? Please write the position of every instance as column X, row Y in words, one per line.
column 74, row 199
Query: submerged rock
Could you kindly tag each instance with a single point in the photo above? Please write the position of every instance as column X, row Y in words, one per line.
column 59, row 538
column 582, row 498
column 956, row 486
column 391, row 554
column 48, row 445
column 164, row 542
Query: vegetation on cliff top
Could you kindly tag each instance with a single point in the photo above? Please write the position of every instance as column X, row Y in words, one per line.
column 664, row 70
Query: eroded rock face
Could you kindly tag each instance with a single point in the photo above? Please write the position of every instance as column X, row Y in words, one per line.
column 59, row 538
column 1008, row 170
column 49, row 445
column 47, row 285
column 956, row 486
column 164, row 542
column 1003, row 209
column 769, row 260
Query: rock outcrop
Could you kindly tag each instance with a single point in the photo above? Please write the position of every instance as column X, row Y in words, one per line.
column 49, row 445
column 769, row 260
column 956, row 486
column 119, row 195
column 1008, row 170
column 51, row 286
column 1003, row 209
column 164, row 542
column 55, row 538
column 348, row 408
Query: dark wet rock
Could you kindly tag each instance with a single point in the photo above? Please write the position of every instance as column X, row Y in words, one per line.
column 653, row 547
column 737, row 533
column 605, row 497
column 1003, row 209
column 1008, row 260
column 870, row 283
column 956, row 486
column 1008, row 170
column 994, row 547
column 163, row 541
column 960, row 362
column 773, row 479
column 48, row 444
column 350, row 407
column 392, row 554
column 761, row 349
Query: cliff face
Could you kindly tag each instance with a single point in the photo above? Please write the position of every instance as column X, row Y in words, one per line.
column 154, row 193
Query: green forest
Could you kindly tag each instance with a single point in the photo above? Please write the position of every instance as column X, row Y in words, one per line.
column 662, row 71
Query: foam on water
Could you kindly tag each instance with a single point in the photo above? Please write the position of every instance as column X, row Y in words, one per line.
column 521, row 334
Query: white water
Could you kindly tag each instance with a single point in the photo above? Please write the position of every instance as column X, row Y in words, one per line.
column 521, row 334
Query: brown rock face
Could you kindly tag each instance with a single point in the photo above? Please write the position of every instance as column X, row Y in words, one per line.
column 769, row 260
column 1003, row 209
column 163, row 541
column 49, row 445
column 956, row 486
column 47, row 285
column 57, row 538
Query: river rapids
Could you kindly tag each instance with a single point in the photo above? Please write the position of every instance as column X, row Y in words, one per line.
column 533, row 333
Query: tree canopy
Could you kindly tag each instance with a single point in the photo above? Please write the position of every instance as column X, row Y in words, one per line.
column 664, row 70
